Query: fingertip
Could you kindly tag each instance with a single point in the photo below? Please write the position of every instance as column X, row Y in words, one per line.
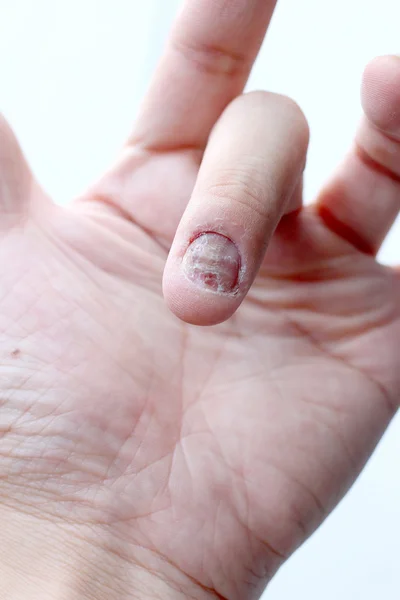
column 204, row 285
column 381, row 93
column 201, row 308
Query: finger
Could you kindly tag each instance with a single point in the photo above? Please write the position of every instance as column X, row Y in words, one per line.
column 16, row 181
column 206, row 64
column 248, row 179
column 363, row 199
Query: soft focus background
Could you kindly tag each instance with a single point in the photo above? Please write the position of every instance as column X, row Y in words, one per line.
column 71, row 77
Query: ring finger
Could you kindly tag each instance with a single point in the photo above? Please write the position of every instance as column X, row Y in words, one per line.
column 363, row 199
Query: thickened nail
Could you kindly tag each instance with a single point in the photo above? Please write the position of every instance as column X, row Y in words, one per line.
column 212, row 261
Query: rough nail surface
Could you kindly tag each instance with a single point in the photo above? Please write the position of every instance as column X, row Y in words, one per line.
column 212, row 261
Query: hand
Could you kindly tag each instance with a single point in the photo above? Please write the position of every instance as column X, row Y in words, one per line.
column 143, row 457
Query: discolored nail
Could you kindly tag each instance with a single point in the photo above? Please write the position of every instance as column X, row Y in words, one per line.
column 212, row 261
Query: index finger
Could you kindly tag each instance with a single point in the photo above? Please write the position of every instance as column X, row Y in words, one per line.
column 206, row 64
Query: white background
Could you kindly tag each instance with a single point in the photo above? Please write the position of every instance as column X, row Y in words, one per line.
column 71, row 77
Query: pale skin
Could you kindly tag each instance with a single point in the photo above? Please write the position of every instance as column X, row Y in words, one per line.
column 143, row 456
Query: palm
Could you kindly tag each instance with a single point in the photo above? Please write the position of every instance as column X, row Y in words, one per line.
column 229, row 432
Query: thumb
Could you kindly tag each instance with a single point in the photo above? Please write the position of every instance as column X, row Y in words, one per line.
column 16, row 180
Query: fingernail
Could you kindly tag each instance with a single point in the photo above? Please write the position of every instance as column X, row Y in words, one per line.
column 212, row 261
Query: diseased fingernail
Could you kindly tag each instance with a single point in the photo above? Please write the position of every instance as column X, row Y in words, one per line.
column 212, row 261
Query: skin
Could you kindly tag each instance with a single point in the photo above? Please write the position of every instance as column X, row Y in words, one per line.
column 142, row 456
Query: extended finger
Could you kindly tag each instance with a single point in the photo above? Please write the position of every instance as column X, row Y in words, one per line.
column 363, row 199
column 206, row 64
column 251, row 169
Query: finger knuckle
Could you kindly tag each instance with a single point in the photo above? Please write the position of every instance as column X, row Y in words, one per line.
column 244, row 192
column 211, row 59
